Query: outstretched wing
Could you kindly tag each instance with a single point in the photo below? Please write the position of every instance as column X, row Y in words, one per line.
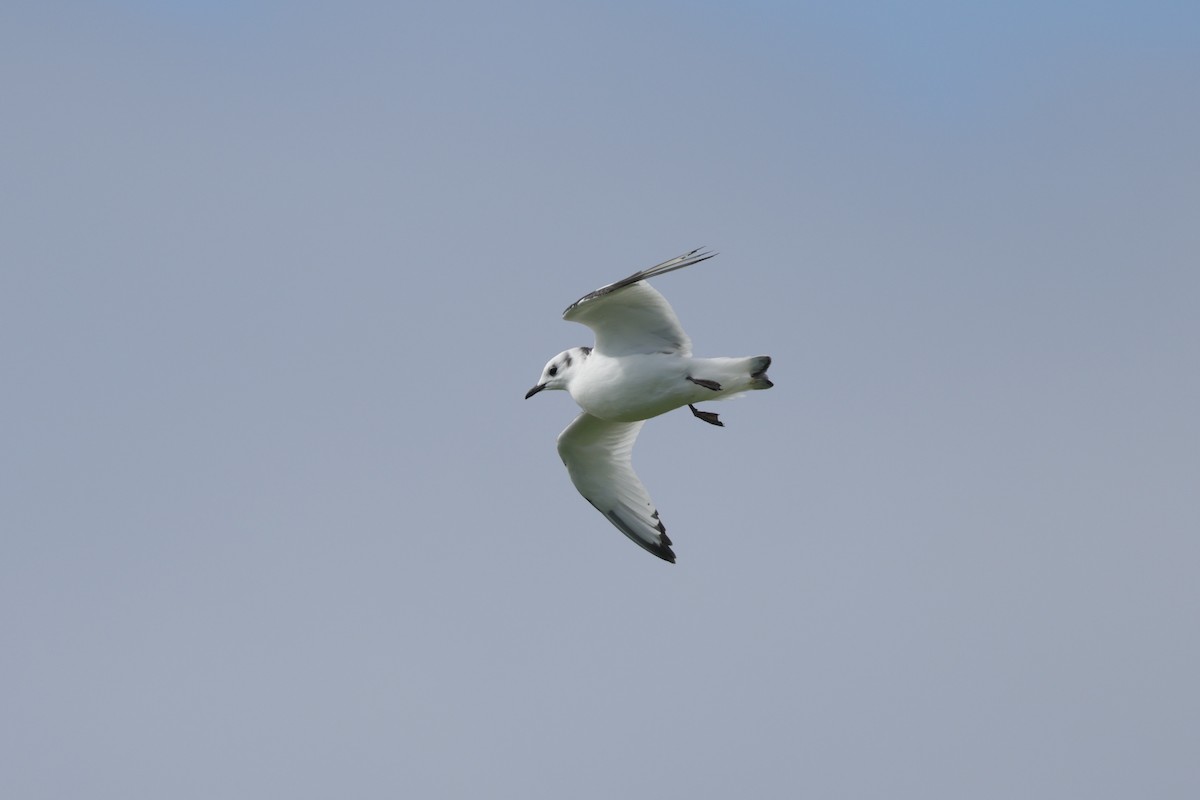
column 598, row 456
column 630, row 316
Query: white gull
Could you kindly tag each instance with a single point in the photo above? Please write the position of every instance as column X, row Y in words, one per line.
column 640, row 367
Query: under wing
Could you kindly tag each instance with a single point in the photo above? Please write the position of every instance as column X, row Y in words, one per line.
column 630, row 316
column 598, row 457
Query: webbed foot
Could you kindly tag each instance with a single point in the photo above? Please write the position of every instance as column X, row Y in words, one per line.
column 707, row 416
column 707, row 384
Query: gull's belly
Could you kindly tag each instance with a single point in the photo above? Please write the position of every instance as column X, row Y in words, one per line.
column 633, row 387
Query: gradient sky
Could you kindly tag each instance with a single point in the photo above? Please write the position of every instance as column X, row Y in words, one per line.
column 277, row 521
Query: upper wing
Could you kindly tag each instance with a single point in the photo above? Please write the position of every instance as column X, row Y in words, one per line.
column 630, row 316
column 598, row 457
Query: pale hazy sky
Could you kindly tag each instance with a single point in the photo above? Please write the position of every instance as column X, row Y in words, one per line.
column 277, row 522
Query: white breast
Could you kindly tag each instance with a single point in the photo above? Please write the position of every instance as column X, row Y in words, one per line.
column 631, row 387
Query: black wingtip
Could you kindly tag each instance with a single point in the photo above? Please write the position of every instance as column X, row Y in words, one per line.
column 661, row 549
column 664, row 550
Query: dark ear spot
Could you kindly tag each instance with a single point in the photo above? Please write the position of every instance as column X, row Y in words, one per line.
column 568, row 359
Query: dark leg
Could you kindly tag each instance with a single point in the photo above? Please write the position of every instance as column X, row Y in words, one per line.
column 707, row 416
column 716, row 387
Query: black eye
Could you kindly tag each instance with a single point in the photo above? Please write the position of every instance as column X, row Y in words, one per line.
column 552, row 371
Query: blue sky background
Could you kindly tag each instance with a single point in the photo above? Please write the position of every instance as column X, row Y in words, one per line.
column 277, row 522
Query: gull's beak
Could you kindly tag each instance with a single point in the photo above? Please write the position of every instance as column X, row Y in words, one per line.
column 534, row 390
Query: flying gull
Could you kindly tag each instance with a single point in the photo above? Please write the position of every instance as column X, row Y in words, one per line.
column 641, row 366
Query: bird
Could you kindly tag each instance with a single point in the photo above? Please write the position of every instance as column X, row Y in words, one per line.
column 640, row 366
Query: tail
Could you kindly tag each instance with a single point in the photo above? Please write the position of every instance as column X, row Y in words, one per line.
column 758, row 372
column 729, row 377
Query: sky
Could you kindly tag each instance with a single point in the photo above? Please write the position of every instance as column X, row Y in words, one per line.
column 278, row 522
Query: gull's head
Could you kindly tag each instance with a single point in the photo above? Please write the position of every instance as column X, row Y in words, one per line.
column 558, row 371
